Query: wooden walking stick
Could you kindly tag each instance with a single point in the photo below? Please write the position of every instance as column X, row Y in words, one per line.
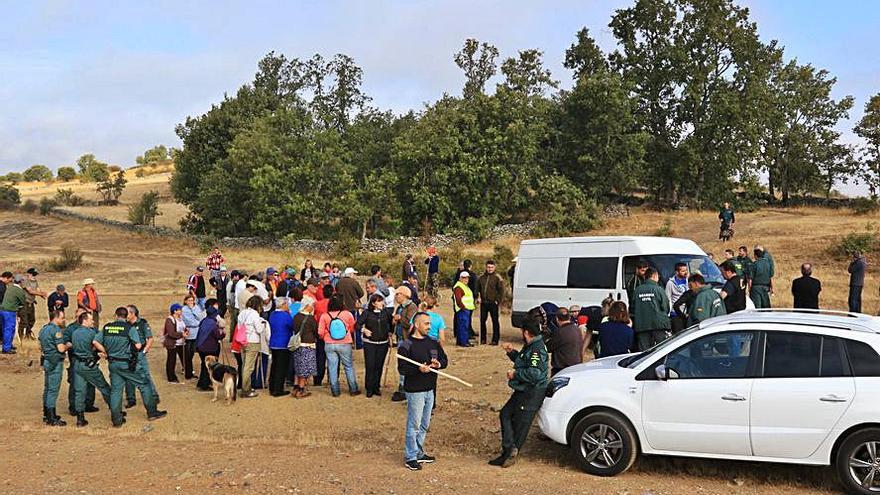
column 387, row 361
column 444, row 375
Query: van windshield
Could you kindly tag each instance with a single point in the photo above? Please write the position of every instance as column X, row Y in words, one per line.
column 665, row 265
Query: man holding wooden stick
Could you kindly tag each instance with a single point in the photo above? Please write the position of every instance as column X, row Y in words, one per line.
column 528, row 379
column 419, row 386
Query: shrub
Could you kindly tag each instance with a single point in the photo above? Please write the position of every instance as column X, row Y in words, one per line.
column 666, row 229
column 66, row 197
column 11, row 177
column 114, row 169
column 864, row 206
column 37, row 173
column 66, row 174
column 145, row 211
column 346, row 248
column 564, row 209
column 29, row 206
column 477, row 228
column 70, row 258
column 111, row 188
column 46, row 206
column 864, row 242
column 9, row 197
column 140, row 173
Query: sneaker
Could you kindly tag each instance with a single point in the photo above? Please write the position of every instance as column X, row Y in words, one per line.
column 426, row 459
column 413, row 465
column 92, row 409
column 398, row 396
column 498, row 461
column 157, row 415
column 249, row 395
column 281, row 394
column 355, row 393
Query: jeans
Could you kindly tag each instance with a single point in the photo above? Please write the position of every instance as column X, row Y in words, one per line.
column 855, row 299
column 337, row 353
column 320, row 362
column 201, row 302
column 189, row 352
column 374, row 360
column 8, row 329
column 461, row 325
column 487, row 309
column 418, row 419
column 358, row 338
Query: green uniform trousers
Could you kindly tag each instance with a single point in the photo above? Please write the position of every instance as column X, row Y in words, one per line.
column 143, row 367
column 119, row 376
column 84, row 375
column 53, row 370
column 760, row 296
column 517, row 416
column 71, row 390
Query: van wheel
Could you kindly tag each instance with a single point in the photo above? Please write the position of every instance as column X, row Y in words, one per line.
column 603, row 444
column 858, row 462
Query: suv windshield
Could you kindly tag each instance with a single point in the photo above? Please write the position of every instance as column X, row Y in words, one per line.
column 633, row 361
column 665, row 265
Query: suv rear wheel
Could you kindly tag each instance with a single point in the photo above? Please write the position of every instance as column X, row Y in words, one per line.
column 858, row 462
column 603, row 444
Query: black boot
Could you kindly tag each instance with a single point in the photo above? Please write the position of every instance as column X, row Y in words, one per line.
column 81, row 419
column 54, row 419
column 46, row 416
column 511, row 459
column 129, row 404
column 498, row 461
column 91, row 409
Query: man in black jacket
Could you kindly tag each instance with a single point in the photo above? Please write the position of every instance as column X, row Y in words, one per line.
column 565, row 344
column 219, row 283
column 419, row 386
column 806, row 289
column 856, row 270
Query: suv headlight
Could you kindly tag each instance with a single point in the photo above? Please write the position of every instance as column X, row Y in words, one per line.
column 555, row 384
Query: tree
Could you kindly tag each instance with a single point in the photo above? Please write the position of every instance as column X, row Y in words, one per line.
column 12, row 178
column 92, row 170
column 868, row 129
column 9, row 197
column 156, row 154
column 584, row 57
column 66, row 174
column 478, row 63
column 37, row 173
column 526, row 73
column 145, row 211
column 111, row 188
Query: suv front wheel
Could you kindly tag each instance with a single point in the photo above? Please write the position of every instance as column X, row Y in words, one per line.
column 603, row 444
column 858, row 462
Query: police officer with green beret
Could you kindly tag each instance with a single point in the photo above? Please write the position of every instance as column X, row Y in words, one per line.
column 143, row 366
column 119, row 340
column 761, row 279
column 707, row 303
column 650, row 309
column 84, row 345
column 528, row 379
column 52, row 348
column 67, row 335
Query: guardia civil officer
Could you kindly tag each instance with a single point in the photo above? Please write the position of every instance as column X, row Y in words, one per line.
column 761, row 278
column 52, row 347
column 85, row 365
column 143, row 366
column 650, row 310
column 528, row 379
column 118, row 340
column 707, row 303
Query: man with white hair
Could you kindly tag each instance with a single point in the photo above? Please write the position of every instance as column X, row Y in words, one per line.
column 280, row 331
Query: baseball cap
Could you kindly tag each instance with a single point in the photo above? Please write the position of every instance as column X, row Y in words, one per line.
column 174, row 307
column 313, row 282
column 253, row 283
column 271, row 270
column 222, row 268
column 350, row 271
column 291, row 271
column 464, row 274
column 33, row 271
column 325, row 275
column 404, row 290
column 200, row 268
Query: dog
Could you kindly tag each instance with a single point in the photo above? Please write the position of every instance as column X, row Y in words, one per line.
column 222, row 376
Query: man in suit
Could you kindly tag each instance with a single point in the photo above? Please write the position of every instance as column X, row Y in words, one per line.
column 806, row 289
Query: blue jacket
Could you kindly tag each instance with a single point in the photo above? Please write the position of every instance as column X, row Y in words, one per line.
column 615, row 338
column 281, row 329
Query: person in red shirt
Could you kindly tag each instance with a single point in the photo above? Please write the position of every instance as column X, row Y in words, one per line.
column 214, row 260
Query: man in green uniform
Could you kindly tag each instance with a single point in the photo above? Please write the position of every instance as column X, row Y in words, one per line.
column 67, row 335
column 744, row 262
column 52, row 347
column 118, row 340
column 528, row 379
column 650, row 309
column 143, row 365
column 85, row 366
column 707, row 303
column 761, row 279
column 636, row 280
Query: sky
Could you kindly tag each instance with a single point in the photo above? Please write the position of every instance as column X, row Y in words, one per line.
column 115, row 78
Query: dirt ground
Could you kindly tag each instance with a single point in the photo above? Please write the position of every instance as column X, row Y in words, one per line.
column 349, row 444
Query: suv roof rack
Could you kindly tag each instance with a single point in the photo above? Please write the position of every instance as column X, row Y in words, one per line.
column 829, row 312
column 844, row 320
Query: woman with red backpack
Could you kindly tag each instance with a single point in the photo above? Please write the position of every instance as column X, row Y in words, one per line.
column 335, row 328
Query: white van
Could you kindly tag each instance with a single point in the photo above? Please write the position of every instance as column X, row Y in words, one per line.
column 585, row 270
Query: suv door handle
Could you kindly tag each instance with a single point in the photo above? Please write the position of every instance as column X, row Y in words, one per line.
column 833, row 398
column 733, row 397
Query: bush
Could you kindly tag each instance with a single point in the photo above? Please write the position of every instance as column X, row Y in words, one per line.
column 666, row 229
column 66, row 174
column 71, row 258
column 11, row 177
column 37, row 173
column 114, row 169
column 66, row 197
column 346, row 248
column 30, row 206
column 145, row 211
column 9, row 197
column 864, row 206
column 564, row 208
column 864, row 242
column 477, row 228
column 46, row 206
column 140, row 173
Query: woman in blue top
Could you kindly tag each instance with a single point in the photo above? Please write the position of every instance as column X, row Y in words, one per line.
column 438, row 326
column 616, row 336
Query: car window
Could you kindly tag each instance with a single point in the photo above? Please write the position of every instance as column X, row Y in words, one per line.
column 665, row 266
column 792, row 355
column 592, row 273
column 720, row 355
column 833, row 361
column 863, row 358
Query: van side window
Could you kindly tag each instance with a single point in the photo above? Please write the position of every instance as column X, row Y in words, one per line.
column 863, row 358
column 592, row 273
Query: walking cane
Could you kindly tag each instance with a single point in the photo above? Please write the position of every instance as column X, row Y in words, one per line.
column 387, row 361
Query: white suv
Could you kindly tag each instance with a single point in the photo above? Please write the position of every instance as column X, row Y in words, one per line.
column 787, row 386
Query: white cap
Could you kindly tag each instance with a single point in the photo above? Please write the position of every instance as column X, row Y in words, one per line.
column 349, row 272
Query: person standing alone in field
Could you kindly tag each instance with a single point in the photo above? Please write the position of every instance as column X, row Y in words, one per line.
column 214, row 261
column 728, row 218
column 805, row 290
column 490, row 291
column 433, row 263
column 857, row 268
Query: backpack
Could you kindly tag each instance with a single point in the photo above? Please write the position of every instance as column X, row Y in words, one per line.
column 338, row 331
column 296, row 338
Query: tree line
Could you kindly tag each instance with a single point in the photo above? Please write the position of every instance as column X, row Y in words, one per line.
column 689, row 108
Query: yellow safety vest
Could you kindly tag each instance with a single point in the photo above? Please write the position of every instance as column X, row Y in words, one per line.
column 467, row 298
